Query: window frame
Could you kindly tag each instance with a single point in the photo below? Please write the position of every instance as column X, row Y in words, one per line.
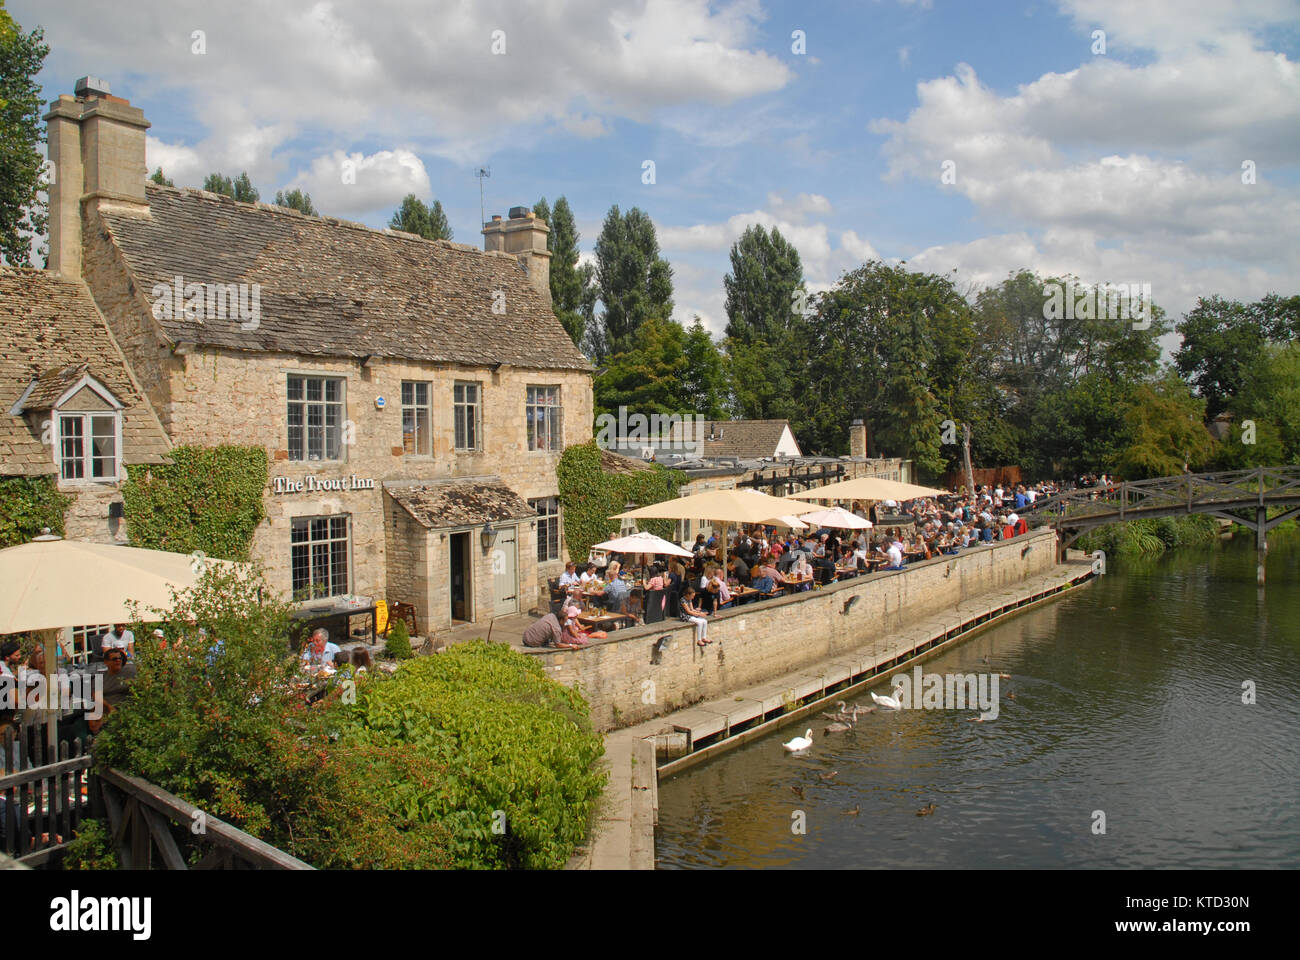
column 415, row 407
column 554, row 422
column 86, row 458
column 476, row 407
column 545, row 521
column 305, row 426
column 329, row 541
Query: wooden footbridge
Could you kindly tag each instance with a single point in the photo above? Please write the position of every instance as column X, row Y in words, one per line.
column 1259, row 499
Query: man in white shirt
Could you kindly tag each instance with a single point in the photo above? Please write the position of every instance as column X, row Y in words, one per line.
column 588, row 575
column 1031, row 494
column 119, row 638
column 895, row 556
column 319, row 651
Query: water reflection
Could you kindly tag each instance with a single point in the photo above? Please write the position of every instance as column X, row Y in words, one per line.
column 1127, row 700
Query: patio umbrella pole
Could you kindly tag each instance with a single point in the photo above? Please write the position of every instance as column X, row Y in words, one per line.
column 48, row 643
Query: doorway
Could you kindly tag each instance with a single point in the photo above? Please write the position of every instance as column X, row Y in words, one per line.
column 462, row 608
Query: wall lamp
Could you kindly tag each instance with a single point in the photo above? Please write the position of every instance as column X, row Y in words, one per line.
column 662, row 644
column 489, row 534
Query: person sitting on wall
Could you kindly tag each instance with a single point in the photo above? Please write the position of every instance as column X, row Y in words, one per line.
column 573, row 633
column 691, row 613
column 545, row 632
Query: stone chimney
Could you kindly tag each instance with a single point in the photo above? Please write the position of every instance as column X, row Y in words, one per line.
column 858, row 438
column 525, row 236
column 96, row 147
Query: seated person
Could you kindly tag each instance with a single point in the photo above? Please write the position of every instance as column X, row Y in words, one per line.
column 776, row 576
column 119, row 638
column 588, row 575
column 737, row 570
column 319, row 652
column 716, row 584
column 895, row 554
column 616, row 590
column 692, row 613
column 573, row 632
column 545, row 632
column 762, row 582
column 656, row 579
column 570, row 575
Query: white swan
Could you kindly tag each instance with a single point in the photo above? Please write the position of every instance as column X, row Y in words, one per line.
column 890, row 703
column 799, row 743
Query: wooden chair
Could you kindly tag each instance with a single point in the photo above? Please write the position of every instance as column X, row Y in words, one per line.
column 405, row 611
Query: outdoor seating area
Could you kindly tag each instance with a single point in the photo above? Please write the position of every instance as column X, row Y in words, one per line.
column 642, row 578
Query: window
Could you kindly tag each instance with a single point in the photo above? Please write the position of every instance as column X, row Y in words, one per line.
column 544, row 418
column 548, row 528
column 82, row 640
column 682, row 531
column 417, row 417
column 468, row 413
column 88, row 446
column 315, row 418
column 319, row 557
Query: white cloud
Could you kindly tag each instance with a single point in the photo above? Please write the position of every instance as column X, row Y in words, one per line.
column 343, row 184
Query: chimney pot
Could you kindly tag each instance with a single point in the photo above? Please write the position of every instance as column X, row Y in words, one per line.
column 92, row 87
column 496, row 218
column 519, row 213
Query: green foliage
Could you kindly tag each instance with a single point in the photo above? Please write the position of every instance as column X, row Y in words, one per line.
column 23, row 214
column 1269, row 397
column 90, row 849
column 704, row 380
column 1149, row 537
column 1165, row 431
column 573, row 292
column 590, row 496
column 208, row 499
column 158, row 178
column 414, row 217
column 1223, row 339
column 648, row 377
column 483, row 733
column 241, row 188
column 397, row 644
column 28, row 504
column 635, row 283
column 296, row 200
column 215, row 719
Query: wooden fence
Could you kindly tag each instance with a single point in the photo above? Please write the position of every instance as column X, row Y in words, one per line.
column 43, row 797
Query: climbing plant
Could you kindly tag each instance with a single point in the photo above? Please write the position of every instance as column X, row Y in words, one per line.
column 27, row 504
column 208, row 499
column 590, row 496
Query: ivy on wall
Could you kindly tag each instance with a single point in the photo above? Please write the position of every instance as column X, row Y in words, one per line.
column 27, row 504
column 208, row 499
column 590, row 495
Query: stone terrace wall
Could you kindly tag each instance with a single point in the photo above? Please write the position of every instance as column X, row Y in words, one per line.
column 763, row 641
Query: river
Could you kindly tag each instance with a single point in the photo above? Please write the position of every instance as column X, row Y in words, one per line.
column 1127, row 705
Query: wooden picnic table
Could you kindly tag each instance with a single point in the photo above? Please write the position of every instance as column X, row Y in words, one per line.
column 605, row 621
column 744, row 594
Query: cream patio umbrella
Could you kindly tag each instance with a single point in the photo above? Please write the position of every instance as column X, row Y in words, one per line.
column 50, row 584
column 724, row 506
column 836, row 517
column 642, row 542
column 869, row 488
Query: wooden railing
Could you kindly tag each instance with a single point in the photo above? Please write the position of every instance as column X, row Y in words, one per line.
column 43, row 797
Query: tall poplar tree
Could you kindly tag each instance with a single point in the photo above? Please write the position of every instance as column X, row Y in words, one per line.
column 635, row 283
column 22, row 212
column 241, row 188
column 424, row 221
column 573, row 293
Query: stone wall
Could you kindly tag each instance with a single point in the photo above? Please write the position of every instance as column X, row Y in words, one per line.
column 763, row 641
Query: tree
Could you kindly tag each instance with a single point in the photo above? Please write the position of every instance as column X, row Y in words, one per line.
column 572, row 292
column 765, row 304
column 1222, row 339
column 296, row 200
column 648, row 377
column 1165, row 431
column 23, row 213
column 704, row 380
column 241, row 188
column 635, row 282
column 158, row 178
column 414, row 217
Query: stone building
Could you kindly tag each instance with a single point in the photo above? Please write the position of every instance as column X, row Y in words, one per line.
column 413, row 396
column 70, row 407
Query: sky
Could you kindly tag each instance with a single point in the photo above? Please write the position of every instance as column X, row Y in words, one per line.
column 1153, row 142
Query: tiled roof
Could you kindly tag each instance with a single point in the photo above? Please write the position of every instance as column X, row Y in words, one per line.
column 328, row 287
column 50, row 331
column 459, row 503
column 741, row 438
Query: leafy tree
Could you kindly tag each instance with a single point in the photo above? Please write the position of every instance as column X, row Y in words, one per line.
column 23, row 213
column 296, row 200
column 414, row 217
column 648, row 377
column 635, row 283
column 241, row 188
column 1269, row 398
column 765, row 301
column 573, row 293
column 1165, row 431
column 704, row 380
column 1222, row 339
column 158, row 178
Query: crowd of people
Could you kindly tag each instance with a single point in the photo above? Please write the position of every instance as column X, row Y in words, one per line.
column 762, row 561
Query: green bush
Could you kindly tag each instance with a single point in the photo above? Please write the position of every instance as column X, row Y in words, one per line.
column 28, row 505
column 207, row 498
column 590, row 496
column 1150, row 537
column 508, row 757
column 90, row 849
column 397, row 645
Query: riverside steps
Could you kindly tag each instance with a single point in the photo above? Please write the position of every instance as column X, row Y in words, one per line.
column 636, row 755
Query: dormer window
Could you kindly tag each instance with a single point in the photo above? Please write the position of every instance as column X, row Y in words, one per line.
column 84, row 424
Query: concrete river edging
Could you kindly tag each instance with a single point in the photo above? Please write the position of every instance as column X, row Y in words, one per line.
column 901, row 633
